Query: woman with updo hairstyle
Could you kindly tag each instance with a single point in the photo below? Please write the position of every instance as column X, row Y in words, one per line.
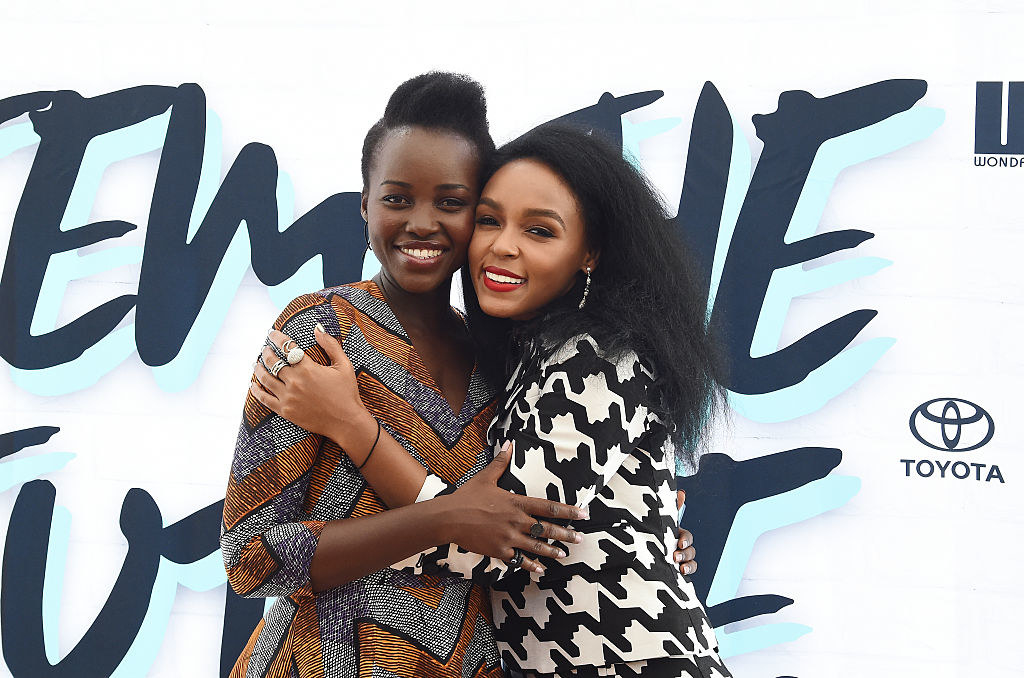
column 300, row 522
column 583, row 298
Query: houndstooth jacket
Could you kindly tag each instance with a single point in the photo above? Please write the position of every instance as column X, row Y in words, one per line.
column 583, row 435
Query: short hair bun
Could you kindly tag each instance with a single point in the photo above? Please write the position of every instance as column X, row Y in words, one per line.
column 436, row 100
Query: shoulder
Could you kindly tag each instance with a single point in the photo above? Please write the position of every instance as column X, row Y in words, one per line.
column 332, row 307
column 584, row 355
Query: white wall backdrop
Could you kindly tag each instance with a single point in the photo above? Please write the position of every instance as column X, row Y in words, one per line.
column 891, row 572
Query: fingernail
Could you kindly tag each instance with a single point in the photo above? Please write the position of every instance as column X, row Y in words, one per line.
column 538, row 568
column 686, row 543
column 577, row 538
column 321, row 328
column 504, row 448
column 687, row 569
column 583, row 514
column 678, row 556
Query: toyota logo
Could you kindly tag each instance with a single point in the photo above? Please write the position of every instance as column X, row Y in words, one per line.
column 951, row 424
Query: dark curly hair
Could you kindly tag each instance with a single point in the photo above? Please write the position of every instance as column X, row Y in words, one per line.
column 644, row 293
column 436, row 100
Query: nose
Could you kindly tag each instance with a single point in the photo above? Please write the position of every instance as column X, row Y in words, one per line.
column 504, row 243
column 421, row 221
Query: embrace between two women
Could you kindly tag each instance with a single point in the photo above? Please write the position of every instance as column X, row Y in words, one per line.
column 414, row 519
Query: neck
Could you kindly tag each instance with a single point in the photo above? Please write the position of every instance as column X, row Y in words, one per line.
column 417, row 311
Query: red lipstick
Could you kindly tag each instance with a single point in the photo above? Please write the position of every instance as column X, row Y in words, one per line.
column 496, row 286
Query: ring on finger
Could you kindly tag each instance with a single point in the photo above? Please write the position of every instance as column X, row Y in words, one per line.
column 537, row 530
column 517, row 559
column 273, row 347
column 294, row 355
column 277, row 367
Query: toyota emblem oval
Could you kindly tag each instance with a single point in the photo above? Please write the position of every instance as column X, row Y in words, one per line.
column 952, row 425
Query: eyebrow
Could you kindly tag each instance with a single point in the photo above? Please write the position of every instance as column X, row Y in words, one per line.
column 552, row 214
column 442, row 187
column 532, row 212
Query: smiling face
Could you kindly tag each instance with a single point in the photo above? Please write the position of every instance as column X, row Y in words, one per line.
column 530, row 242
column 418, row 204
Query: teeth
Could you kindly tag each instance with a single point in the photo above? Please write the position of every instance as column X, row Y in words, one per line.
column 503, row 278
column 422, row 254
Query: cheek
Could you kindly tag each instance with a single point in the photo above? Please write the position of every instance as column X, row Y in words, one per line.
column 560, row 279
column 460, row 230
column 478, row 247
column 558, row 272
column 380, row 224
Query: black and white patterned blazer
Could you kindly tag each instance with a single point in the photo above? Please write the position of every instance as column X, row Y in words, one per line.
column 584, row 436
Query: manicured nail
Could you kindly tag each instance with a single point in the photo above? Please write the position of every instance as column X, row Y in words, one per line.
column 321, row 328
column 686, row 543
column 687, row 569
column 583, row 514
column 678, row 556
column 577, row 538
column 504, row 448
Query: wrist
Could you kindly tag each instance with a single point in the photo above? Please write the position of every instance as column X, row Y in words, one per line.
column 442, row 526
column 355, row 435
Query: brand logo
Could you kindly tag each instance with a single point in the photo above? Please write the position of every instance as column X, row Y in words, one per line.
column 999, row 124
column 951, row 425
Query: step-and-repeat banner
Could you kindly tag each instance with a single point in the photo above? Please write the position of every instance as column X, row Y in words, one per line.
column 849, row 178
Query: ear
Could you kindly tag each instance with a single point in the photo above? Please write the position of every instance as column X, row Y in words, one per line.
column 363, row 197
column 590, row 260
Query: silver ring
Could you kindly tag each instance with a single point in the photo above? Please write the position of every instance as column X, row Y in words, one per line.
column 537, row 530
column 517, row 559
column 273, row 347
column 294, row 355
column 284, row 346
column 277, row 367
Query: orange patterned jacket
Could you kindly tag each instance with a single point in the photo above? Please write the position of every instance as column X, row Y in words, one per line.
column 286, row 483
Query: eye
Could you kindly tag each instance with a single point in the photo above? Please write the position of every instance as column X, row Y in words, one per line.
column 395, row 199
column 451, row 204
column 540, row 231
column 487, row 220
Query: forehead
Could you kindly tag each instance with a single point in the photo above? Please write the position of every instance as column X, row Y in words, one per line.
column 529, row 183
column 418, row 155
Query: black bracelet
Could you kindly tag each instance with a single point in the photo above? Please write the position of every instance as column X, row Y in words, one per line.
column 376, row 440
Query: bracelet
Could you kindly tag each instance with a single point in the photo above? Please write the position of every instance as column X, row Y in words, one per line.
column 376, row 440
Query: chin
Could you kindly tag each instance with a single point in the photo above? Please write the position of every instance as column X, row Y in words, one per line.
column 420, row 284
column 496, row 309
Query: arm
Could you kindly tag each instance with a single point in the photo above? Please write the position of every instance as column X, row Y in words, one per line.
column 303, row 394
column 271, row 551
column 270, row 544
column 572, row 430
column 325, row 398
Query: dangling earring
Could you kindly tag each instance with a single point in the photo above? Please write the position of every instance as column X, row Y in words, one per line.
column 586, row 290
column 366, row 235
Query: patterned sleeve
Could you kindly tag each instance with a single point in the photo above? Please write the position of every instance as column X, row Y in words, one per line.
column 572, row 430
column 267, row 538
